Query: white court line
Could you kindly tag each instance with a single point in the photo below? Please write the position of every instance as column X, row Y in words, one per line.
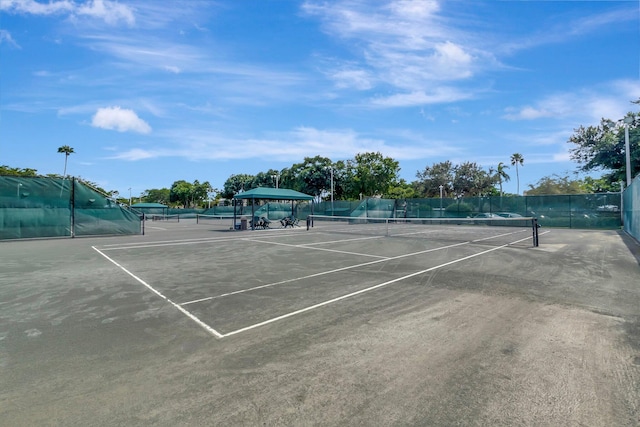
column 217, row 334
column 174, row 243
column 305, row 245
column 361, row 291
column 166, row 241
column 319, row 249
column 185, row 312
column 341, row 240
column 323, row 273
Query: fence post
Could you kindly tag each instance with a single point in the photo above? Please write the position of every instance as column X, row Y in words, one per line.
column 73, row 206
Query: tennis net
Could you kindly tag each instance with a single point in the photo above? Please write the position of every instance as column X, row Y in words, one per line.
column 163, row 217
column 209, row 219
column 493, row 230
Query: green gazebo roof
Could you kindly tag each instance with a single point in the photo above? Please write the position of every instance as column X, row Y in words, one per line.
column 273, row 194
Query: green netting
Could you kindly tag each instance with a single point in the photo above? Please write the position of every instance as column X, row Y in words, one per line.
column 275, row 210
column 598, row 211
column 219, row 210
column 54, row 207
column 632, row 208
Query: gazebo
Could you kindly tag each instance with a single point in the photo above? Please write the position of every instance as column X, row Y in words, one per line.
column 262, row 193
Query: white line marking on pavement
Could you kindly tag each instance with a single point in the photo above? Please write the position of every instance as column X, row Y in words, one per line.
column 185, row 312
column 242, row 291
column 341, row 241
column 331, row 301
column 319, row 249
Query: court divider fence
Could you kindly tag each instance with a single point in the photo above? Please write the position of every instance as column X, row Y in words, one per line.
column 583, row 211
column 631, row 206
column 32, row 207
column 587, row 211
column 37, row 207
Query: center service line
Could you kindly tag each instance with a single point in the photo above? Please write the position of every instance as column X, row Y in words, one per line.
column 322, row 273
column 361, row 291
column 185, row 312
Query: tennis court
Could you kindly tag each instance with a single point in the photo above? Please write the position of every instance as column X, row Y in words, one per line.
column 353, row 322
column 260, row 278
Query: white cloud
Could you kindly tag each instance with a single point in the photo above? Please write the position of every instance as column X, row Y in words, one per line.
column 110, row 12
column 408, row 45
column 36, row 8
column 5, row 38
column 137, row 154
column 609, row 100
column 358, row 79
column 172, row 69
column 122, row 120
column 414, row 9
column 440, row 95
column 300, row 142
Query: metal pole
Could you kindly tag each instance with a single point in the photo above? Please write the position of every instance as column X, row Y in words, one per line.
column 73, row 207
column 441, row 201
column 626, row 149
column 332, row 211
column 622, row 202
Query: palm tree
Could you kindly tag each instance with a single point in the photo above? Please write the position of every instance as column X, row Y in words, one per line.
column 502, row 175
column 66, row 150
column 517, row 159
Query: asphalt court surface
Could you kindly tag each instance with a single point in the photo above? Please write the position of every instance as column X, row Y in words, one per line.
column 242, row 280
column 197, row 324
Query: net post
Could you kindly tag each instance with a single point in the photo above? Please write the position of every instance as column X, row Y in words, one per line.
column 308, row 222
column 534, row 225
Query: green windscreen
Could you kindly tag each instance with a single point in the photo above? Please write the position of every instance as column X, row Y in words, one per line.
column 632, row 208
column 33, row 207
column 588, row 211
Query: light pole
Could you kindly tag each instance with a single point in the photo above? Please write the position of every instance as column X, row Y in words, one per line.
column 441, row 200
column 276, row 177
column 331, row 171
column 627, row 121
column 129, row 196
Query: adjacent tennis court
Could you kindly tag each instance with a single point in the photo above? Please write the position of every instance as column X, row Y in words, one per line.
column 351, row 322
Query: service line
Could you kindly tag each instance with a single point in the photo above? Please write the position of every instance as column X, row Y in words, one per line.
column 323, row 273
column 308, row 246
column 362, row 291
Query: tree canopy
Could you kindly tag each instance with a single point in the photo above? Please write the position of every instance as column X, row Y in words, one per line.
column 602, row 148
column 465, row 179
column 189, row 194
column 556, row 184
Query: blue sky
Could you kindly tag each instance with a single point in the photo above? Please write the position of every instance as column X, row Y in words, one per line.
column 149, row 92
